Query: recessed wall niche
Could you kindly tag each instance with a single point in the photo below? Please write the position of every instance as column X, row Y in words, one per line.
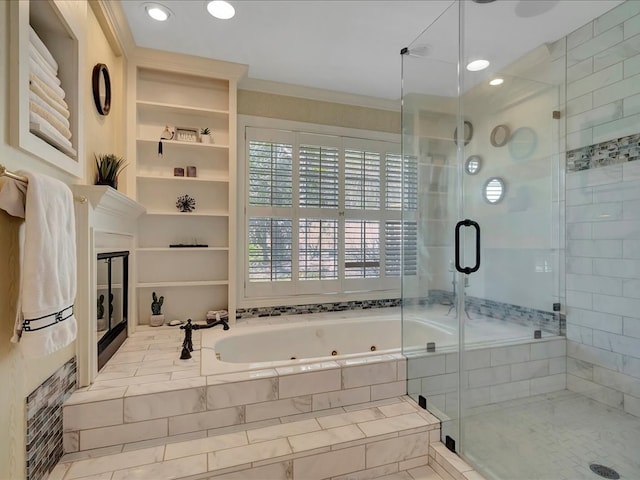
column 61, row 27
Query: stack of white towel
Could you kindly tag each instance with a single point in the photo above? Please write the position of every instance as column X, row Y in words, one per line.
column 48, row 110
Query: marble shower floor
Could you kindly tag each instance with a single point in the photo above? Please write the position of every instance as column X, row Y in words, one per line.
column 552, row 437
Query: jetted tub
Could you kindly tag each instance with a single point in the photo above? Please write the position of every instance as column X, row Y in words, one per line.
column 253, row 347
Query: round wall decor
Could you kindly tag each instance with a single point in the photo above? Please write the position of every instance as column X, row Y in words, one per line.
column 523, row 143
column 468, row 133
column 500, row 136
column 494, row 190
column 101, row 86
column 473, row 164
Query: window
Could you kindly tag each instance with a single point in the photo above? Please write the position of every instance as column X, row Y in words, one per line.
column 324, row 214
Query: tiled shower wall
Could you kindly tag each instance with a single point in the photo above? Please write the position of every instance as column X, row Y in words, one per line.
column 603, row 208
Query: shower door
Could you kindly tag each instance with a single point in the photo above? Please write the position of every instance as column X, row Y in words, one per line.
column 480, row 321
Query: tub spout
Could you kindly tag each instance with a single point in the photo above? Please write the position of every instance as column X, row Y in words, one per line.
column 187, row 344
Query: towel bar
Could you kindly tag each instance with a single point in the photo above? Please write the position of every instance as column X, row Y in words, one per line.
column 6, row 173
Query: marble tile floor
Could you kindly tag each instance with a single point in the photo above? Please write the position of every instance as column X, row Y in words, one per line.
column 552, row 437
column 365, row 430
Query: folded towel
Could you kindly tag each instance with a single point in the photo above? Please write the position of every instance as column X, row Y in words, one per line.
column 58, row 103
column 45, row 321
column 50, row 84
column 50, row 110
column 39, row 59
column 45, row 131
column 50, row 79
column 53, row 121
column 42, row 49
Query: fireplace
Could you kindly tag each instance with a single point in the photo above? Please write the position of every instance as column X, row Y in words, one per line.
column 112, row 303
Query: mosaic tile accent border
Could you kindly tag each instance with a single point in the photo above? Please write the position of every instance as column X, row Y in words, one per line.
column 611, row 152
column 549, row 322
column 44, row 421
column 316, row 308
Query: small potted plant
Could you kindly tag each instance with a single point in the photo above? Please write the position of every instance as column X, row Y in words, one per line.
column 157, row 318
column 108, row 167
column 205, row 135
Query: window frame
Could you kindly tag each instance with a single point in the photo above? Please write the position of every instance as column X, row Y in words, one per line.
column 304, row 291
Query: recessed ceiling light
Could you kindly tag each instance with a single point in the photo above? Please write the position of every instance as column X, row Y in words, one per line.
column 157, row 12
column 496, row 81
column 221, row 9
column 477, row 65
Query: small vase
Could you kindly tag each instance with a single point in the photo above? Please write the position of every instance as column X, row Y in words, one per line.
column 113, row 184
column 156, row 320
column 205, row 138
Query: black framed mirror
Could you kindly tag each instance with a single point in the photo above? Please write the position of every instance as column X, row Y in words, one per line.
column 101, row 86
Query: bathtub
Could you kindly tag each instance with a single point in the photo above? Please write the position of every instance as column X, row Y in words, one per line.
column 343, row 340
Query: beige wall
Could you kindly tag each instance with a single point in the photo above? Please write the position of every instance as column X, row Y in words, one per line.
column 19, row 376
column 314, row 111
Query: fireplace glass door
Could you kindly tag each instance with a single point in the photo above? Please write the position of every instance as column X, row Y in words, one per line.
column 111, row 303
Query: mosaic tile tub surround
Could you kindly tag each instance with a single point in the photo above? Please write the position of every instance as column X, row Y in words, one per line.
column 611, row 152
column 316, row 308
column 44, row 421
column 549, row 322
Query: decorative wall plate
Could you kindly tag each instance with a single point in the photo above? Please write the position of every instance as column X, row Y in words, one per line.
column 468, row 133
column 101, row 86
column 500, row 136
column 523, row 143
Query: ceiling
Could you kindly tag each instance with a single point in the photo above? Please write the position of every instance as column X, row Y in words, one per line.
column 351, row 46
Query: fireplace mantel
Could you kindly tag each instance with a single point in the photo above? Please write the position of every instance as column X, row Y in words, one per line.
column 106, row 221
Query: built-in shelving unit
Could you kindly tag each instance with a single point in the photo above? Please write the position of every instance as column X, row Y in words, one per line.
column 193, row 93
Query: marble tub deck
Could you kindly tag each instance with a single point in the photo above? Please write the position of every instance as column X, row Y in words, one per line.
column 149, row 362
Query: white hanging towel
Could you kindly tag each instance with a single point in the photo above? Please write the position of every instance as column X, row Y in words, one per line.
column 45, row 321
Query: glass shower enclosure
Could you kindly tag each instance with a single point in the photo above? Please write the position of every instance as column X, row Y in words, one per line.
column 484, row 326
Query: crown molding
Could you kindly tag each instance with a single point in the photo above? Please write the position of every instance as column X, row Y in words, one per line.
column 311, row 93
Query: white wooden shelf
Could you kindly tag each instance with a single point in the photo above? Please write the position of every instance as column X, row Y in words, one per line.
column 171, row 89
column 201, row 283
column 180, row 108
column 201, row 213
column 187, row 144
column 211, row 178
column 182, row 249
column 105, row 287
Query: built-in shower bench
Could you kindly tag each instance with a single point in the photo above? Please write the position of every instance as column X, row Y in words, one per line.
column 376, row 439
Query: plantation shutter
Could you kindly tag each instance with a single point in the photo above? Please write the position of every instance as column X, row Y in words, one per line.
column 396, row 258
column 318, row 250
column 270, row 249
column 319, row 176
column 362, row 180
column 362, row 249
column 395, row 172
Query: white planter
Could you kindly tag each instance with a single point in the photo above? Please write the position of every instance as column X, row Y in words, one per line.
column 206, row 139
column 156, row 320
column 102, row 324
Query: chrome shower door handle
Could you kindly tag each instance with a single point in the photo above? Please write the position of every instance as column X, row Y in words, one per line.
column 459, row 225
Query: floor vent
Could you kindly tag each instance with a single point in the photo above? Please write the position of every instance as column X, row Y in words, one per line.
column 604, row 472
